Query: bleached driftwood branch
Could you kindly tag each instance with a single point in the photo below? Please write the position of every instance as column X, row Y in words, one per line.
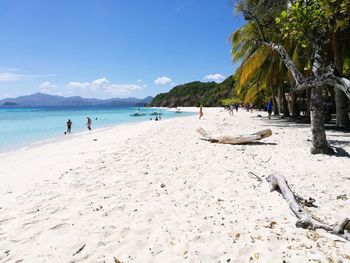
column 278, row 182
column 241, row 139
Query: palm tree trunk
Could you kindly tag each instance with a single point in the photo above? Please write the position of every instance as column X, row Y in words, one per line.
column 342, row 115
column 308, row 103
column 279, row 97
column 295, row 106
column 341, row 100
column 285, row 104
column 319, row 141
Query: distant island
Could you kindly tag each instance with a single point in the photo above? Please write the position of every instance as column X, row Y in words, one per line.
column 10, row 104
column 209, row 94
column 45, row 100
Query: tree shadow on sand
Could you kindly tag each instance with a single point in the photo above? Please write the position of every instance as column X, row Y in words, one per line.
column 278, row 122
column 340, row 152
column 259, row 143
column 331, row 129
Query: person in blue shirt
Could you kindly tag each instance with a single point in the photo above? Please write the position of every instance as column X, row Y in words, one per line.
column 269, row 108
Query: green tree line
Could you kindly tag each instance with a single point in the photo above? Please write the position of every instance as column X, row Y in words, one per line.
column 209, row 94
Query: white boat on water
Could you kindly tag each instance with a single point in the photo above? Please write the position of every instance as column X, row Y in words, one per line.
column 155, row 113
column 138, row 114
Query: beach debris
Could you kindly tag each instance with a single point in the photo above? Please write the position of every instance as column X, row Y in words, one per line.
column 162, row 185
column 306, row 202
column 278, row 183
column 95, row 140
column 98, row 208
column 272, row 224
column 268, row 159
column 116, row 260
column 313, row 235
column 240, row 139
column 342, row 197
column 79, row 250
column 56, row 227
column 234, row 235
column 256, row 176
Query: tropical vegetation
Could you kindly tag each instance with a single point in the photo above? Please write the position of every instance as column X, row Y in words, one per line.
column 209, row 94
column 296, row 47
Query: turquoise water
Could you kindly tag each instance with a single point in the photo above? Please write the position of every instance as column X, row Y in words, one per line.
column 21, row 126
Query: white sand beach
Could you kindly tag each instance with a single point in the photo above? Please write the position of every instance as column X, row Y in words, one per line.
column 155, row 192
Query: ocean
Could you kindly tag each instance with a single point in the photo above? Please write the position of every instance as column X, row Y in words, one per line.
column 21, row 127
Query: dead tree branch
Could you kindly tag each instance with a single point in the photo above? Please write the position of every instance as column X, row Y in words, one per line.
column 241, row 139
column 278, row 183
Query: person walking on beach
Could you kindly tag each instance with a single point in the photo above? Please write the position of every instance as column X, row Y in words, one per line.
column 88, row 124
column 231, row 110
column 201, row 112
column 69, row 126
column 269, row 108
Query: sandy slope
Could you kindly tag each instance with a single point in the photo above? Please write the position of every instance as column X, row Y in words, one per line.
column 154, row 192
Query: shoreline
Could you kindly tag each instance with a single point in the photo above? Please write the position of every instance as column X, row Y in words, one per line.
column 59, row 138
column 155, row 192
column 77, row 139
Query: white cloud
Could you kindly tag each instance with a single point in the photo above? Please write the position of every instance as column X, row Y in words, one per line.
column 4, row 96
column 78, row 85
column 163, row 81
column 11, row 75
column 10, row 69
column 104, row 85
column 48, row 88
column 215, row 77
column 47, row 85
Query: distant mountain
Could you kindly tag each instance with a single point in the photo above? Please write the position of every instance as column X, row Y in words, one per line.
column 196, row 93
column 41, row 99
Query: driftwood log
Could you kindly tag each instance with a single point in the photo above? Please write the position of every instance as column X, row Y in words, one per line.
column 241, row 139
column 278, row 183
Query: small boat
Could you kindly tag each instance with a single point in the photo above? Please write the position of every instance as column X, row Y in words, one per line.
column 138, row 114
column 155, row 113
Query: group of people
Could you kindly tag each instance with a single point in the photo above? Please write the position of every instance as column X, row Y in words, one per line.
column 248, row 108
column 157, row 118
column 70, row 123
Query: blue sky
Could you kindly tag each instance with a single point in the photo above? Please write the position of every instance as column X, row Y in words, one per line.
column 112, row 48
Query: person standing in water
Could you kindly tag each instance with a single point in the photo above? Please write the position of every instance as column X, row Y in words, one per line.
column 69, row 126
column 88, row 124
column 200, row 112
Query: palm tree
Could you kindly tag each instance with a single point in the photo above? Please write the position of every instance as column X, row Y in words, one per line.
column 261, row 72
